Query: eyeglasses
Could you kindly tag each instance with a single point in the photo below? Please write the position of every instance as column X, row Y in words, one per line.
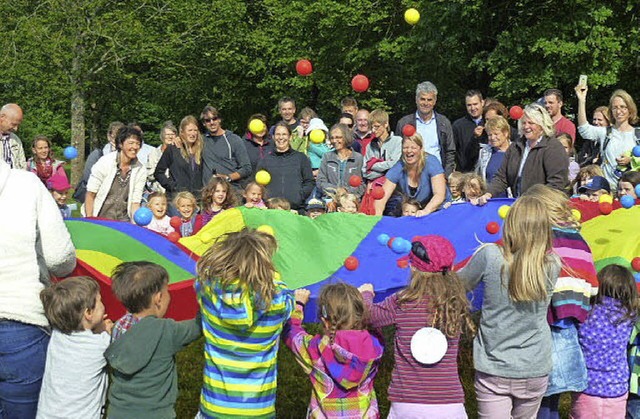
column 619, row 108
column 207, row 120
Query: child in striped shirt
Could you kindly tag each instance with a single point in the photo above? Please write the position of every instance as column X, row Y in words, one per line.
column 343, row 361
column 244, row 307
column 434, row 297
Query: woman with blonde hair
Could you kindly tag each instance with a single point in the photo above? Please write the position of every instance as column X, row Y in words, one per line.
column 536, row 157
column 418, row 175
column 492, row 154
column 570, row 302
column 513, row 346
column 616, row 141
column 184, row 162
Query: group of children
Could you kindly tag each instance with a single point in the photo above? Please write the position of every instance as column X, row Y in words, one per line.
column 245, row 307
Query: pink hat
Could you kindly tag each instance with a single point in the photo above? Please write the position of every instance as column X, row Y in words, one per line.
column 58, row 183
column 431, row 254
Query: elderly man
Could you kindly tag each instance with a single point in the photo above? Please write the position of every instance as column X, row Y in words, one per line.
column 224, row 155
column 434, row 128
column 11, row 151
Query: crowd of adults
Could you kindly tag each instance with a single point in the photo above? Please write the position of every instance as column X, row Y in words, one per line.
column 405, row 164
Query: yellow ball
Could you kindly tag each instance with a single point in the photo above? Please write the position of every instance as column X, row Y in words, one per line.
column 606, row 198
column 317, row 136
column 503, row 211
column 257, row 127
column 265, row 228
column 576, row 214
column 263, row 177
column 412, row 16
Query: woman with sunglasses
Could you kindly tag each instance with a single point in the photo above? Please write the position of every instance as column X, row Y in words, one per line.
column 537, row 157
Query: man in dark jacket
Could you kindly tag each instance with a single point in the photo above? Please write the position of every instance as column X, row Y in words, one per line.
column 434, row 128
column 468, row 133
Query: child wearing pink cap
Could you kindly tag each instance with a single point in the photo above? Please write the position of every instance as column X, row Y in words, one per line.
column 59, row 187
column 425, row 384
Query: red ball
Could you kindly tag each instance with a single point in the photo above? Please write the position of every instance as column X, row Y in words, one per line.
column 355, row 181
column 402, row 263
column 351, row 263
column 516, row 112
column 173, row 237
column 377, row 192
column 360, row 83
column 493, row 227
column 390, row 242
column 635, row 264
column 605, row 207
column 175, row 222
column 304, row 67
column 408, row 130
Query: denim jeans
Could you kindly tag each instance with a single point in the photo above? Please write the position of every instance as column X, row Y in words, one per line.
column 569, row 371
column 633, row 406
column 23, row 351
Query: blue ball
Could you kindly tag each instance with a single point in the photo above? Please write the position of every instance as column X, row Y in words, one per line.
column 399, row 245
column 383, row 239
column 638, row 190
column 636, row 276
column 636, row 151
column 143, row 216
column 70, row 152
column 627, row 201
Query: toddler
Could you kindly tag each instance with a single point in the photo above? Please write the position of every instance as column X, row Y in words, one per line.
column 315, row 208
column 584, row 176
column 253, row 194
column 567, row 143
column 75, row 375
column 217, row 196
column 161, row 221
column 143, row 347
column 279, row 204
column 186, row 204
column 59, row 187
column 455, row 186
column 434, row 298
column 347, row 203
column 343, row 361
column 473, row 186
column 410, row 207
column 604, row 337
column 593, row 190
column 244, row 307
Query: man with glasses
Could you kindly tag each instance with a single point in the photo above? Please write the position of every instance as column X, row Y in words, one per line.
column 223, row 155
column 11, row 150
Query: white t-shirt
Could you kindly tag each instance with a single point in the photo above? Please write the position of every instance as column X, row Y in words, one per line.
column 75, row 376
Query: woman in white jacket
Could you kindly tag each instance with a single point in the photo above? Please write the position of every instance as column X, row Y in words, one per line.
column 117, row 180
column 34, row 243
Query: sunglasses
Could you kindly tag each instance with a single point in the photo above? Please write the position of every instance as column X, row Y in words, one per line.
column 207, row 120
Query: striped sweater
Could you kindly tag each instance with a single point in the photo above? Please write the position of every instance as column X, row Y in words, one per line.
column 578, row 278
column 241, row 347
column 341, row 373
column 412, row 382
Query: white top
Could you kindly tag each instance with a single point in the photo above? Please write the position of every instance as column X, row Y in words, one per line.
column 102, row 175
column 34, row 242
column 75, row 376
column 620, row 143
column 162, row 225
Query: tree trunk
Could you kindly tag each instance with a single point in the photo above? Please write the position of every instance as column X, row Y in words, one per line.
column 77, row 118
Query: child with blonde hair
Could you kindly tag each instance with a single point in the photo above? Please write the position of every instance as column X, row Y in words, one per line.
column 244, row 307
column 424, row 383
column 347, row 202
column 75, row 376
column 604, row 337
column 472, row 186
column 254, row 194
column 584, row 176
column 161, row 222
column 217, row 196
column 455, row 187
column 278, row 203
column 343, row 361
column 512, row 349
column 187, row 206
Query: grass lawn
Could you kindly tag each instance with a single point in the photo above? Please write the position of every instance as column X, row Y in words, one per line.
column 294, row 387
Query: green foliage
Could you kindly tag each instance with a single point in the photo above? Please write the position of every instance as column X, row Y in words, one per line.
column 151, row 61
